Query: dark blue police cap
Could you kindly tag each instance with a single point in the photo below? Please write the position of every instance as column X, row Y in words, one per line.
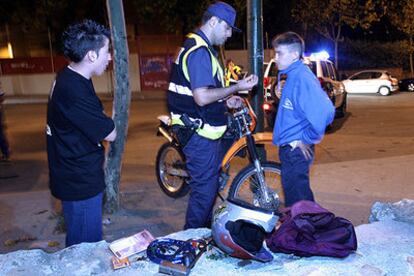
column 225, row 12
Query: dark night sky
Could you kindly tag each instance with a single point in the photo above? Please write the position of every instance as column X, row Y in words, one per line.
column 276, row 19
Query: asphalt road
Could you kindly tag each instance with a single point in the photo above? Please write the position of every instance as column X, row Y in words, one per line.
column 367, row 157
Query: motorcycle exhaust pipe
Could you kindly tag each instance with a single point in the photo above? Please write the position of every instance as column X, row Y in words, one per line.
column 165, row 134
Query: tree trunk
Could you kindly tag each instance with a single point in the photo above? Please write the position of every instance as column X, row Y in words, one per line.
column 411, row 56
column 256, row 54
column 305, row 28
column 122, row 100
column 336, row 54
column 337, row 38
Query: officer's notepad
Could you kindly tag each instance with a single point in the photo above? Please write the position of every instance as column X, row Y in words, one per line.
column 128, row 246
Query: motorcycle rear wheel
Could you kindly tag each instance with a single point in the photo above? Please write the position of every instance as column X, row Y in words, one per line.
column 246, row 188
column 171, row 171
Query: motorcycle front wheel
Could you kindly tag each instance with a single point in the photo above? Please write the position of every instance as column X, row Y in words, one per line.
column 246, row 187
column 171, row 171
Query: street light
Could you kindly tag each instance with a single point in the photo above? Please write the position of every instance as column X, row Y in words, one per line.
column 10, row 49
column 9, row 45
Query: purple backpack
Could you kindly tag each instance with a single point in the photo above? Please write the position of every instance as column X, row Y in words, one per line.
column 307, row 229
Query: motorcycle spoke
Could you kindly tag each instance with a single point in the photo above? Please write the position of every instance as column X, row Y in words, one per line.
column 247, row 188
column 171, row 171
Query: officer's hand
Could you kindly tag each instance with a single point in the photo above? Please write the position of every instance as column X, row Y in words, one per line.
column 305, row 149
column 234, row 102
column 247, row 83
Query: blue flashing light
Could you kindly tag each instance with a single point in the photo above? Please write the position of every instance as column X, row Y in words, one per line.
column 323, row 55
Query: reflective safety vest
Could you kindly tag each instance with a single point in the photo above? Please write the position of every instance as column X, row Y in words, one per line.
column 180, row 96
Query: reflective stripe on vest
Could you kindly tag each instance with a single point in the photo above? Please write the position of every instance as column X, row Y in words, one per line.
column 180, row 89
column 207, row 131
column 216, row 68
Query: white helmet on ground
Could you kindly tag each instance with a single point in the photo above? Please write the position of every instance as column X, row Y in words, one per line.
column 239, row 229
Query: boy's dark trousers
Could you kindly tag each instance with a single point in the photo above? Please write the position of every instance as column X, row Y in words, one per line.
column 295, row 174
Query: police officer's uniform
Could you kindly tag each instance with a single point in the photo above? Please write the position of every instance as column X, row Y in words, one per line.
column 197, row 66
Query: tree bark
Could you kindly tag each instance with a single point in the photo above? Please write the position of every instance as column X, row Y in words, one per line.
column 336, row 55
column 122, row 100
column 256, row 55
column 411, row 56
column 337, row 39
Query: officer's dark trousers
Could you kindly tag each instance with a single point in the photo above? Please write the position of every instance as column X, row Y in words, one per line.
column 203, row 158
column 295, row 174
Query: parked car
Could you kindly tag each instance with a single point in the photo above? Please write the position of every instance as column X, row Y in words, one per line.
column 371, row 81
column 269, row 76
column 325, row 71
column 406, row 84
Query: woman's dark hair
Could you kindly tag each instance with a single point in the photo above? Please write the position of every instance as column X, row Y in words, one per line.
column 80, row 38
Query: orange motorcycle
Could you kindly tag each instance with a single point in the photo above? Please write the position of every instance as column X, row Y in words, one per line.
column 258, row 184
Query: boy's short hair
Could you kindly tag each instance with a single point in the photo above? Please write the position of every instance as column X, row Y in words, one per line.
column 291, row 39
column 80, row 38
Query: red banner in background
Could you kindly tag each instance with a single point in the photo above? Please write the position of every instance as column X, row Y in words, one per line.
column 34, row 65
column 155, row 71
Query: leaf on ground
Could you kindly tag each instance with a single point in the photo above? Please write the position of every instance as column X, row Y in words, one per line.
column 53, row 244
column 24, row 238
column 10, row 242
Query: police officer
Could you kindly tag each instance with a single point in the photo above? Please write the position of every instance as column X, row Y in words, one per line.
column 197, row 89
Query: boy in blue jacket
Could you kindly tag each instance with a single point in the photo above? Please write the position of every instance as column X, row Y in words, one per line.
column 304, row 112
